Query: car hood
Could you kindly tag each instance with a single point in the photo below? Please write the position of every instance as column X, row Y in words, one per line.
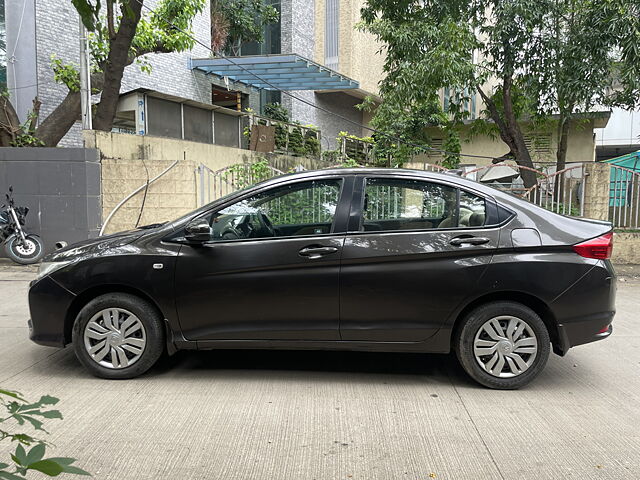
column 98, row 245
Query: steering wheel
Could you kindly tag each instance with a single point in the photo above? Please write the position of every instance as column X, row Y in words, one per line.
column 266, row 223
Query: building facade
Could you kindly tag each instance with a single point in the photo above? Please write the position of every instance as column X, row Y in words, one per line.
column 321, row 31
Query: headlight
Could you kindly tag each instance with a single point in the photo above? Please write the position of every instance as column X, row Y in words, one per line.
column 47, row 268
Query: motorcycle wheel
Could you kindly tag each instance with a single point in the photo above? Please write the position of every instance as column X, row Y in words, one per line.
column 31, row 251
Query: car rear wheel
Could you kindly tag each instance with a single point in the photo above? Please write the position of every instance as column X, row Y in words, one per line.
column 503, row 345
column 118, row 336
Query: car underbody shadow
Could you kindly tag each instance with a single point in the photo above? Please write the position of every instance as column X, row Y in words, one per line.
column 440, row 368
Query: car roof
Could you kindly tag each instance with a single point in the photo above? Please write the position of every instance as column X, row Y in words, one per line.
column 449, row 177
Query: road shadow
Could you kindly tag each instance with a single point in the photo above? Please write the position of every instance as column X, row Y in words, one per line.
column 362, row 365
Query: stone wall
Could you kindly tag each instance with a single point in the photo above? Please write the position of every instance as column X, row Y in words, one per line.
column 626, row 248
column 596, row 194
column 129, row 160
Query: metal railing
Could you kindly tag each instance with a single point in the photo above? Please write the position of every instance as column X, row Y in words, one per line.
column 219, row 183
column 624, row 197
column 561, row 192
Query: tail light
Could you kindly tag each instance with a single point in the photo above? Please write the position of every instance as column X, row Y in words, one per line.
column 599, row 248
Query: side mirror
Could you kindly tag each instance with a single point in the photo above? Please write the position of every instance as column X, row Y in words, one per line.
column 198, row 230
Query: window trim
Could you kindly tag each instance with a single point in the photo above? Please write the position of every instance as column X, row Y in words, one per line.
column 338, row 226
column 356, row 217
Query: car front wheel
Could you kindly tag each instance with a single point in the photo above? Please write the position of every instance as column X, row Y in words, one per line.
column 118, row 336
column 503, row 345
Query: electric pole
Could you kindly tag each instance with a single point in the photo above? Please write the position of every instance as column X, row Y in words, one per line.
column 85, row 79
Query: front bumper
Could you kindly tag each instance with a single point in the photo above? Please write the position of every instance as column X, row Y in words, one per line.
column 49, row 303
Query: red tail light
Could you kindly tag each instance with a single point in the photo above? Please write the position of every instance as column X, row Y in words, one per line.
column 599, row 248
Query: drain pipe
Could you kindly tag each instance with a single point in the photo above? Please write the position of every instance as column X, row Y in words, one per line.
column 128, row 197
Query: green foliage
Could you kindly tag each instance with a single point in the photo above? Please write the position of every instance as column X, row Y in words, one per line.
column 246, row 174
column 544, row 56
column 165, row 29
column 21, row 412
column 65, row 73
column 276, row 111
column 296, row 141
column 244, row 19
column 26, row 135
column 451, row 145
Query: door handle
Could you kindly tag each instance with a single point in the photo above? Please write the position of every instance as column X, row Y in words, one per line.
column 317, row 252
column 459, row 241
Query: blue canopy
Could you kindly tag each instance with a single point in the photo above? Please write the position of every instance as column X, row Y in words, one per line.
column 621, row 180
column 275, row 72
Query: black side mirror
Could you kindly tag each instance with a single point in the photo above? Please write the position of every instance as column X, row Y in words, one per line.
column 198, row 230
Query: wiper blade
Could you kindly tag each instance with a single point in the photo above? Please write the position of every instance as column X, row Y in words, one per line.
column 152, row 225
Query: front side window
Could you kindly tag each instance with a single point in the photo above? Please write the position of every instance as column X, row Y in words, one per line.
column 396, row 204
column 306, row 208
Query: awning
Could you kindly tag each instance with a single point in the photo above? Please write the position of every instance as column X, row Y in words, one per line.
column 275, row 72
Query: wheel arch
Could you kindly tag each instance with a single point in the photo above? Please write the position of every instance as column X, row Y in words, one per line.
column 534, row 303
column 89, row 294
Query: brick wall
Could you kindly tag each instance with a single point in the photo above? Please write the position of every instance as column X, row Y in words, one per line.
column 56, row 32
column 128, row 160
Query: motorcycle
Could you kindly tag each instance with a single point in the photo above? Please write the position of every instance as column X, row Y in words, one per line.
column 21, row 247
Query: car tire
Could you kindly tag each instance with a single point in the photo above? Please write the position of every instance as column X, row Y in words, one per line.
column 118, row 336
column 492, row 335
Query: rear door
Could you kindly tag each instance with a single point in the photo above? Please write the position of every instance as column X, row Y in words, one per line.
column 415, row 249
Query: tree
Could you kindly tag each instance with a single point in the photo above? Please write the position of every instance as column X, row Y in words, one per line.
column 120, row 36
column 503, row 50
column 236, row 22
column 586, row 56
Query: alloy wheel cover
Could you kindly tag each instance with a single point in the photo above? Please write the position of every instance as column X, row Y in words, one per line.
column 115, row 338
column 505, row 346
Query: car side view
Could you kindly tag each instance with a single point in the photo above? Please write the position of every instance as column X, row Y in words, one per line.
column 341, row 259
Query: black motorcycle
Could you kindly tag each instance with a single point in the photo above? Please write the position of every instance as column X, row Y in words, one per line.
column 21, row 247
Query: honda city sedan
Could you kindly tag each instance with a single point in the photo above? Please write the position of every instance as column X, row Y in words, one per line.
column 344, row 259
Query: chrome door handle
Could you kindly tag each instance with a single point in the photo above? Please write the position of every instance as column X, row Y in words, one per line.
column 317, row 252
column 459, row 241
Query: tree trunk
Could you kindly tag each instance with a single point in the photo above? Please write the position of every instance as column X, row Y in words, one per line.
column 9, row 122
column 115, row 64
column 510, row 133
column 60, row 121
column 563, row 140
column 561, row 155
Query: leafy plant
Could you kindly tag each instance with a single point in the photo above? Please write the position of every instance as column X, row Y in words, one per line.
column 276, row 111
column 30, row 451
column 236, row 22
column 451, row 145
column 243, row 175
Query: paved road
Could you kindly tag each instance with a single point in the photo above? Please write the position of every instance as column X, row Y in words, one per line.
column 324, row 415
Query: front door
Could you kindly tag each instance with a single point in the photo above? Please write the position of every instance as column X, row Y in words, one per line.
column 419, row 248
column 271, row 268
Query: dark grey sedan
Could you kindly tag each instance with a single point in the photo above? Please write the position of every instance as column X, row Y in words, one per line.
column 351, row 259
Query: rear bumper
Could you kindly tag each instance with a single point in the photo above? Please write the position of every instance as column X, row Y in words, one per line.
column 579, row 333
column 48, row 304
column 586, row 310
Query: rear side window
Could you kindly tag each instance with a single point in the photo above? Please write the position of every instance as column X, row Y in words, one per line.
column 394, row 204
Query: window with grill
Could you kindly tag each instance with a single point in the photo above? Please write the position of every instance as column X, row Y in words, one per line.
column 331, row 29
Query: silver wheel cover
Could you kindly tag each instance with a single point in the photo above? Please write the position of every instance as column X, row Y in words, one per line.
column 505, row 346
column 115, row 338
